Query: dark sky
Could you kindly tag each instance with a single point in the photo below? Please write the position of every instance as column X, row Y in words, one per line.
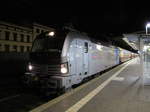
column 104, row 17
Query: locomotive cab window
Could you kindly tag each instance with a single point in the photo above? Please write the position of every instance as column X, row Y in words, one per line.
column 85, row 47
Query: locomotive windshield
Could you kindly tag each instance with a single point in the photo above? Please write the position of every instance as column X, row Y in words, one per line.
column 47, row 48
column 47, row 44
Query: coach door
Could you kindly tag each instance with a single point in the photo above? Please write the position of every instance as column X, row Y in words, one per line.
column 85, row 58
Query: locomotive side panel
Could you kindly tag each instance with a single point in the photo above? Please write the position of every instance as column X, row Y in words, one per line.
column 71, row 56
column 95, row 58
column 101, row 58
column 79, row 60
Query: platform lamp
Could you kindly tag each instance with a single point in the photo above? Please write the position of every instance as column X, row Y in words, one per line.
column 147, row 26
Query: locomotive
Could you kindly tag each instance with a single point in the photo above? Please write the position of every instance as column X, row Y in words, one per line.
column 60, row 60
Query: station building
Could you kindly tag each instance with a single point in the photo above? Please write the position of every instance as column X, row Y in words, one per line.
column 17, row 38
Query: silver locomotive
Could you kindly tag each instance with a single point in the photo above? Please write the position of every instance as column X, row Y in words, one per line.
column 59, row 61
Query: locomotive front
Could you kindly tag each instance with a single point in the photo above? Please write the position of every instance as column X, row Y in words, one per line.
column 45, row 60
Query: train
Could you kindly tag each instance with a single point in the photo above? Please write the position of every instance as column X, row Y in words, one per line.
column 59, row 60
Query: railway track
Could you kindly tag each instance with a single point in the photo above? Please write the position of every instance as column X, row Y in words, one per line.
column 22, row 102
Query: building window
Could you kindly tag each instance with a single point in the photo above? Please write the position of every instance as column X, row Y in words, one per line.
column 0, row 34
column 37, row 30
column 0, row 47
column 15, row 36
column 7, row 34
column 42, row 31
column 28, row 48
column 22, row 38
column 7, row 48
column 21, row 48
column 15, row 48
column 28, row 38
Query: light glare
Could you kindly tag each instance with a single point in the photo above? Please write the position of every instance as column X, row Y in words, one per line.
column 51, row 34
column 63, row 70
column 148, row 25
column 99, row 47
column 145, row 48
column 30, row 67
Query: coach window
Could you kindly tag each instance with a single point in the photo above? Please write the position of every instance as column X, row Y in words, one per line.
column 85, row 47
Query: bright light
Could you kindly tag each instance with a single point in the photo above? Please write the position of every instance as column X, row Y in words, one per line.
column 145, row 48
column 30, row 67
column 99, row 47
column 51, row 33
column 148, row 25
column 64, row 67
column 63, row 70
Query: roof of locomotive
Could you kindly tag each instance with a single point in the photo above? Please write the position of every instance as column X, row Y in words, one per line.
column 70, row 35
column 58, row 34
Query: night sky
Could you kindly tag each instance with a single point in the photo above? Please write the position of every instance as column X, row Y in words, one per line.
column 106, row 17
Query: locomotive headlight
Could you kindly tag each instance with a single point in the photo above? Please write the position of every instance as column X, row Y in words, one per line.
column 64, row 68
column 51, row 33
column 30, row 67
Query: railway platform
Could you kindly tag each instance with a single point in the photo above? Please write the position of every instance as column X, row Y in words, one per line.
column 121, row 89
